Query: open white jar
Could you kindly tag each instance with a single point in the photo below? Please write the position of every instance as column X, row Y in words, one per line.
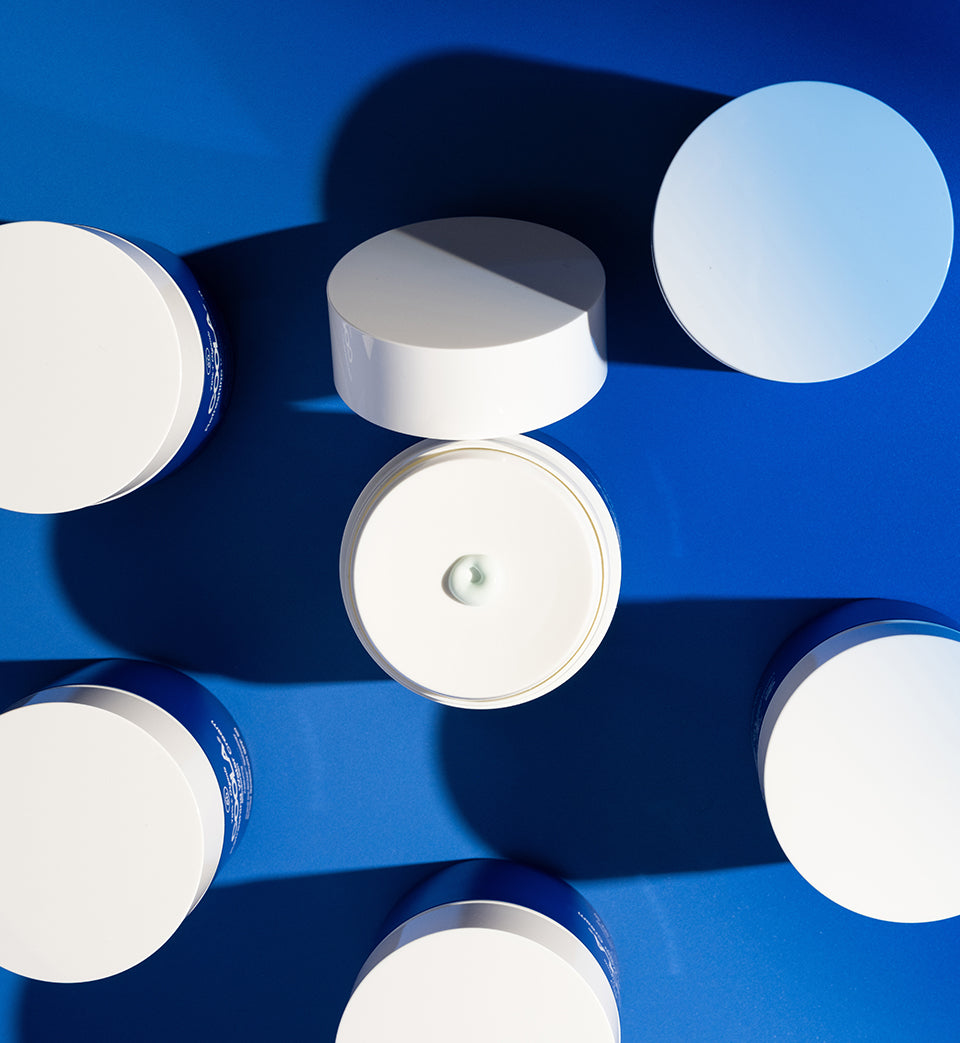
column 483, row 571
column 111, row 366
column 124, row 787
column 480, row 574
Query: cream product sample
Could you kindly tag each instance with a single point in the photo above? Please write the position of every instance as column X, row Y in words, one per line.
column 480, row 574
column 480, row 568
column 484, row 951
column 856, row 733
column 111, row 366
column 802, row 232
column 468, row 327
column 124, row 787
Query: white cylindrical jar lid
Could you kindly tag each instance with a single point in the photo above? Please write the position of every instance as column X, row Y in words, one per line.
column 481, row 971
column 101, row 367
column 480, row 574
column 802, row 232
column 857, row 754
column 112, row 822
column 470, row 327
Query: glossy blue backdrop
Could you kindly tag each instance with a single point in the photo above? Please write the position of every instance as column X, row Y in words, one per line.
column 263, row 141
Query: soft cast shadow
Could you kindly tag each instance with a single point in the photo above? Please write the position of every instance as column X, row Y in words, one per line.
column 585, row 152
column 230, row 565
column 641, row 763
column 274, row 960
column 20, row 678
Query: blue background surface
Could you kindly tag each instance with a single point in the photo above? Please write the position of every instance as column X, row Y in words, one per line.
column 262, row 142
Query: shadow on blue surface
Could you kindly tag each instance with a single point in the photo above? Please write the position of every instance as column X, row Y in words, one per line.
column 642, row 762
column 265, row 961
column 231, row 564
column 581, row 151
column 20, row 678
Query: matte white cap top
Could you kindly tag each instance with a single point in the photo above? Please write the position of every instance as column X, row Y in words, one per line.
column 802, row 232
column 101, row 367
column 479, row 972
column 112, row 829
column 480, row 574
column 469, row 327
column 858, row 760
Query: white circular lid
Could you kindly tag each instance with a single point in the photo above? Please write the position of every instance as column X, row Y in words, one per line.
column 480, row 574
column 802, row 232
column 860, row 773
column 92, row 366
column 479, row 972
column 106, row 837
column 468, row 327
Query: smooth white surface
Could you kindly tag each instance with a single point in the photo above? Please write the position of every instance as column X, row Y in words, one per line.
column 112, row 829
column 101, row 367
column 861, row 774
column 469, row 327
column 477, row 972
column 514, row 502
column 802, row 232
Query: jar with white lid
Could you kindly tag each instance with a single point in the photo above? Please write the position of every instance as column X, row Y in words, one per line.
column 112, row 367
column 856, row 733
column 488, row 950
column 123, row 788
column 481, row 567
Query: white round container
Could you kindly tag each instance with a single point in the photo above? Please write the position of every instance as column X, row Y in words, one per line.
column 111, row 368
column 469, row 327
column 480, row 573
column 123, row 789
column 488, row 951
column 857, row 734
column 802, row 232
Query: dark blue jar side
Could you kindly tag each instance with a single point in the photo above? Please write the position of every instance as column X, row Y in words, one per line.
column 201, row 713
column 217, row 356
column 820, row 629
column 492, row 880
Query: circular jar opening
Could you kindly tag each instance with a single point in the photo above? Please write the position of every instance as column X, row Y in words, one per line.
column 858, row 729
column 480, row 574
column 116, row 814
column 111, row 367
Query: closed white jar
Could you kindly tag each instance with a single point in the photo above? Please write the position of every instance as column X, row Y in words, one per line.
column 111, row 366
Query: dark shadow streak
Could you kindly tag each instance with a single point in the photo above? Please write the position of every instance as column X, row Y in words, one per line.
column 265, row 961
column 641, row 763
column 21, row 678
column 231, row 564
column 585, row 152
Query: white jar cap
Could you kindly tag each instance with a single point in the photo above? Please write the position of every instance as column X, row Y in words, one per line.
column 858, row 762
column 469, row 327
column 802, row 232
column 480, row 574
column 101, row 367
column 112, row 823
column 481, row 971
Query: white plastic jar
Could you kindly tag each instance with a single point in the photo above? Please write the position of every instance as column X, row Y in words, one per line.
column 480, row 574
column 123, row 788
column 111, row 366
column 480, row 568
column 483, row 951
